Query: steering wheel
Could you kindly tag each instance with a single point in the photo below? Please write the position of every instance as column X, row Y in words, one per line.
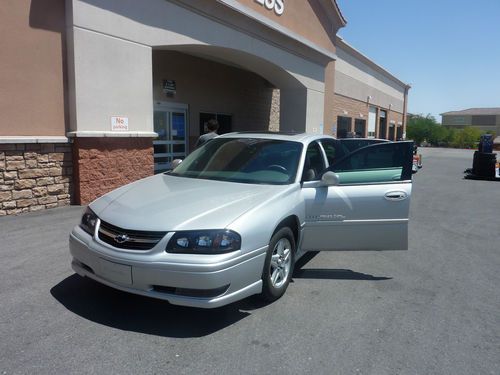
column 277, row 167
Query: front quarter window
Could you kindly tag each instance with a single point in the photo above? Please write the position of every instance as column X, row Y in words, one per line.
column 313, row 163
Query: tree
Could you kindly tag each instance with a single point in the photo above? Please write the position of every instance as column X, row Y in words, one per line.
column 467, row 137
column 438, row 135
column 421, row 128
column 426, row 128
column 450, row 136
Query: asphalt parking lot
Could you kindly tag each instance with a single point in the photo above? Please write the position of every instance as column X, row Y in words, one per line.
column 434, row 309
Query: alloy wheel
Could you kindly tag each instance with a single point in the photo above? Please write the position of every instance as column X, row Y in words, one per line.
column 281, row 262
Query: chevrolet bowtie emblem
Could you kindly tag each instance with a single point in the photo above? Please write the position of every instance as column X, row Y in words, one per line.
column 121, row 238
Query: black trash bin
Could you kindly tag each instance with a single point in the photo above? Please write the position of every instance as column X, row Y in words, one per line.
column 484, row 163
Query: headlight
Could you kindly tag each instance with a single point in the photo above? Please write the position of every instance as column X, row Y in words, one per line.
column 204, row 242
column 89, row 221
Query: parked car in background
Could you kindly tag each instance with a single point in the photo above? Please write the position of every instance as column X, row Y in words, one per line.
column 231, row 219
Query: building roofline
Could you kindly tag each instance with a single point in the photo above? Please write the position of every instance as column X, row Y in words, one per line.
column 343, row 20
column 340, row 42
column 493, row 111
column 248, row 12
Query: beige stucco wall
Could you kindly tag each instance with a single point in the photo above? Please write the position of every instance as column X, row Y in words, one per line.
column 130, row 29
column 112, row 77
column 329, row 118
column 306, row 18
column 32, row 68
column 357, row 80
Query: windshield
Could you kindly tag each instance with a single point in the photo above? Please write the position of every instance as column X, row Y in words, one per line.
column 246, row 160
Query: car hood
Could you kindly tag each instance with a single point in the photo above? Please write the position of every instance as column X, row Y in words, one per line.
column 167, row 203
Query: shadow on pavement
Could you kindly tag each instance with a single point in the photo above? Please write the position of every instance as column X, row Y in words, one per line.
column 328, row 273
column 335, row 274
column 130, row 312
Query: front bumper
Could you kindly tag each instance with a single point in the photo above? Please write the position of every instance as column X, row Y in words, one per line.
column 206, row 281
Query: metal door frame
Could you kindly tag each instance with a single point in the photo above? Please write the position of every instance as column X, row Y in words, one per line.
column 169, row 108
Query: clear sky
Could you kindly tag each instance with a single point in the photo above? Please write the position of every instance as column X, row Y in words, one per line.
column 447, row 50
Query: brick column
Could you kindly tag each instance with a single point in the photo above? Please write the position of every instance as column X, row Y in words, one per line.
column 102, row 164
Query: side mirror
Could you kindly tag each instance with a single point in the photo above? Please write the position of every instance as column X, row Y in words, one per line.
column 330, row 179
column 175, row 163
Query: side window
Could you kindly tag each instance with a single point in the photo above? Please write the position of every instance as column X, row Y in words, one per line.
column 383, row 162
column 313, row 164
column 332, row 150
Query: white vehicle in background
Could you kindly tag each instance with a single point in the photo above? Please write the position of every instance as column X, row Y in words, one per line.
column 231, row 220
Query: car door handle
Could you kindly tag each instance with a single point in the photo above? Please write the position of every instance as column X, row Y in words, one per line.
column 396, row 195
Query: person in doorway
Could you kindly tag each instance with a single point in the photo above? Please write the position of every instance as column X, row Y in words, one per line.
column 212, row 127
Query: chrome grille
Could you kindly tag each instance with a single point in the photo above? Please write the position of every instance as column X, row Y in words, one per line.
column 127, row 238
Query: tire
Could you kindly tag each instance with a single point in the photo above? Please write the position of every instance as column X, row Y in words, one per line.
column 279, row 264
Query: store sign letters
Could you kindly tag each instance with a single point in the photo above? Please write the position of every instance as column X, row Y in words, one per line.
column 119, row 123
column 277, row 5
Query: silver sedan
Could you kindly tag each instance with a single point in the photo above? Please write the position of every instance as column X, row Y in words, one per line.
column 231, row 219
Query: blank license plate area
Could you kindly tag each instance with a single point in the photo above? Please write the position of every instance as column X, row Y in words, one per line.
column 119, row 273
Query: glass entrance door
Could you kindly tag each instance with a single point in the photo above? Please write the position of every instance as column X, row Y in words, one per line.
column 170, row 122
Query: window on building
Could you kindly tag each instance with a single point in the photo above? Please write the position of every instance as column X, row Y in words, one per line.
column 483, row 120
column 392, row 132
column 457, row 120
column 343, row 126
column 360, row 127
column 399, row 133
column 382, row 125
column 224, row 120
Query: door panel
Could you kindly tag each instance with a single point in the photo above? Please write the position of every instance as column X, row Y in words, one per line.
column 369, row 209
column 357, row 217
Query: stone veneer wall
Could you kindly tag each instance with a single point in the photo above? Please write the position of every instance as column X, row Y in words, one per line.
column 274, row 116
column 104, row 164
column 34, row 176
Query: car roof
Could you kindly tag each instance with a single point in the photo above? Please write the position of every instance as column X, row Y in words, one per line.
column 363, row 139
column 282, row 136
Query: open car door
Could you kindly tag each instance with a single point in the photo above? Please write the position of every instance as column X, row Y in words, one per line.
column 367, row 207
